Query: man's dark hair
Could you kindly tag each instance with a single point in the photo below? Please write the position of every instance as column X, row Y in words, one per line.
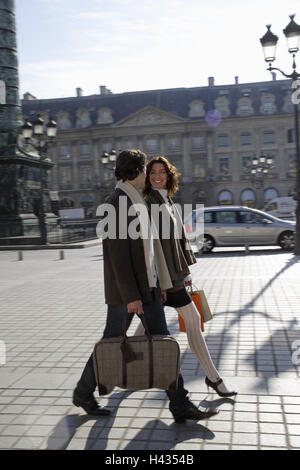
column 129, row 164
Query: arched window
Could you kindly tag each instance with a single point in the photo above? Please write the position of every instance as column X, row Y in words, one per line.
column 270, row 193
column 66, row 203
column 222, row 105
column 248, row 198
column 63, row 121
column 105, row 116
column 244, row 107
column 196, row 109
column 225, row 198
column 83, row 119
column 268, row 104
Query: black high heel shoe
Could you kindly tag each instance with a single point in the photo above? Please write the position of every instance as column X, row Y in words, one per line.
column 215, row 385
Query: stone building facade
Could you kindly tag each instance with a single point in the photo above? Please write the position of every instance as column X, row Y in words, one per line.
column 209, row 133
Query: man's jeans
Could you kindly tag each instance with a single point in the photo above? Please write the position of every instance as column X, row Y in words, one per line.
column 156, row 322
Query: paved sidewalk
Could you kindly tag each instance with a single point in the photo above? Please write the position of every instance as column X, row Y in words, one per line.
column 52, row 312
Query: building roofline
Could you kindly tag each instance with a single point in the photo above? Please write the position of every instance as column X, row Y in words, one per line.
column 162, row 90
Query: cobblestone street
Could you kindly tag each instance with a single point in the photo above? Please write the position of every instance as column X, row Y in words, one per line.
column 52, row 312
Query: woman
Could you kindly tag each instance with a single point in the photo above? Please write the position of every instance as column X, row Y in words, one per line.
column 161, row 185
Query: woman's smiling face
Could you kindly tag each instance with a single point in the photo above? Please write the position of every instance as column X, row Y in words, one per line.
column 158, row 176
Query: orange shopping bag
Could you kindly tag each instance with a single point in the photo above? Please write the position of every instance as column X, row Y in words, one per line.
column 197, row 301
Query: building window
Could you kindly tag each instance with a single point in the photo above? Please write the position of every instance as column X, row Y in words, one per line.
column 224, row 166
column 248, row 198
column 222, row 105
column 66, row 203
column 104, row 116
column 65, row 177
column 269, row 194
column 244, row 107
column 268, row 105
column 246, row 162
column 84, row 150
column 151, row 145
column 197, row 142
column 128, row 144
column 64, row 151
column 225, row 198
column 63, row 121
column 83, row 119
column 223, row 140
column 269, row 137
column 106, row 147
column 199, row 171
column 291, row 136
column 196, row 109
column 292, row 165
column 245, row 138
column 85, row 177
column 173, row 144
column 288, row 106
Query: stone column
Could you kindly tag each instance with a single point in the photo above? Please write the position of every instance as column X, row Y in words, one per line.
column 75, row 168
column 10, row 109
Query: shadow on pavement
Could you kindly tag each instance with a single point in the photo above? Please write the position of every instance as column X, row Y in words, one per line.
column 65, row 430
column 224, row 337
column 154, row 432
column 162, row 435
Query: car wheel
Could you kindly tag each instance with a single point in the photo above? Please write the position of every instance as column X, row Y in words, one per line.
column 287, row 241
column 208, row 244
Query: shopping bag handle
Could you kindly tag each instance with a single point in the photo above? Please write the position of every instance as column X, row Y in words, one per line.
column 190, row 287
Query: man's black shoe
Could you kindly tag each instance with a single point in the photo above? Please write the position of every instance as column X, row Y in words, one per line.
column 91, row 407
column 192, row 412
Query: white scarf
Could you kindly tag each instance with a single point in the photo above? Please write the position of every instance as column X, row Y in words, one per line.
column 154, row 256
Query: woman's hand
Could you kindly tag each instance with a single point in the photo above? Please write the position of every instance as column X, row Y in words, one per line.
column 135, row 307
column 188, row 280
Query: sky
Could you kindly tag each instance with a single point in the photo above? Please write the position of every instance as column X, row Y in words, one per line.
column 134, row 45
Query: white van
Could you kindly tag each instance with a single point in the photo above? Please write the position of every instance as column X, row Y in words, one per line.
column 282, row 207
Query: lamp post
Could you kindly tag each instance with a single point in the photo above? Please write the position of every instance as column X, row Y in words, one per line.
column 269, row 42
column 109, row 159
column 32, row 133
column 259, row 168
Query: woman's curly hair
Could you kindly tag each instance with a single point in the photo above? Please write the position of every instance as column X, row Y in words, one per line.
column 172, row 181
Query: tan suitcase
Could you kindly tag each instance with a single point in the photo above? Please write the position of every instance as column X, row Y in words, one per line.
column 137, row 362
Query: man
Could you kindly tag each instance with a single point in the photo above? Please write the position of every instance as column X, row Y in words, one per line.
column 133, row 269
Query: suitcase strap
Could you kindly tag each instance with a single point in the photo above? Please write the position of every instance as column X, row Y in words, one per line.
column 128, row 354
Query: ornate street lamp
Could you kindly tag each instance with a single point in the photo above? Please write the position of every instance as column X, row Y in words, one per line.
column 259, row 168
column 33, row 133
column 109, row 158
column 269, row 42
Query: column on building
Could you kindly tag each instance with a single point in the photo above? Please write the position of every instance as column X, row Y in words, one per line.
column 162, row 144
column 75, row 171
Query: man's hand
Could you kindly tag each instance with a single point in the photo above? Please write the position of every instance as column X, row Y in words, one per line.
column 135, row 307
column 163, row 296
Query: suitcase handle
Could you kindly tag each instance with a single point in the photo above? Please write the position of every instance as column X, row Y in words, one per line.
column 143, row 320
column 129, row 355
